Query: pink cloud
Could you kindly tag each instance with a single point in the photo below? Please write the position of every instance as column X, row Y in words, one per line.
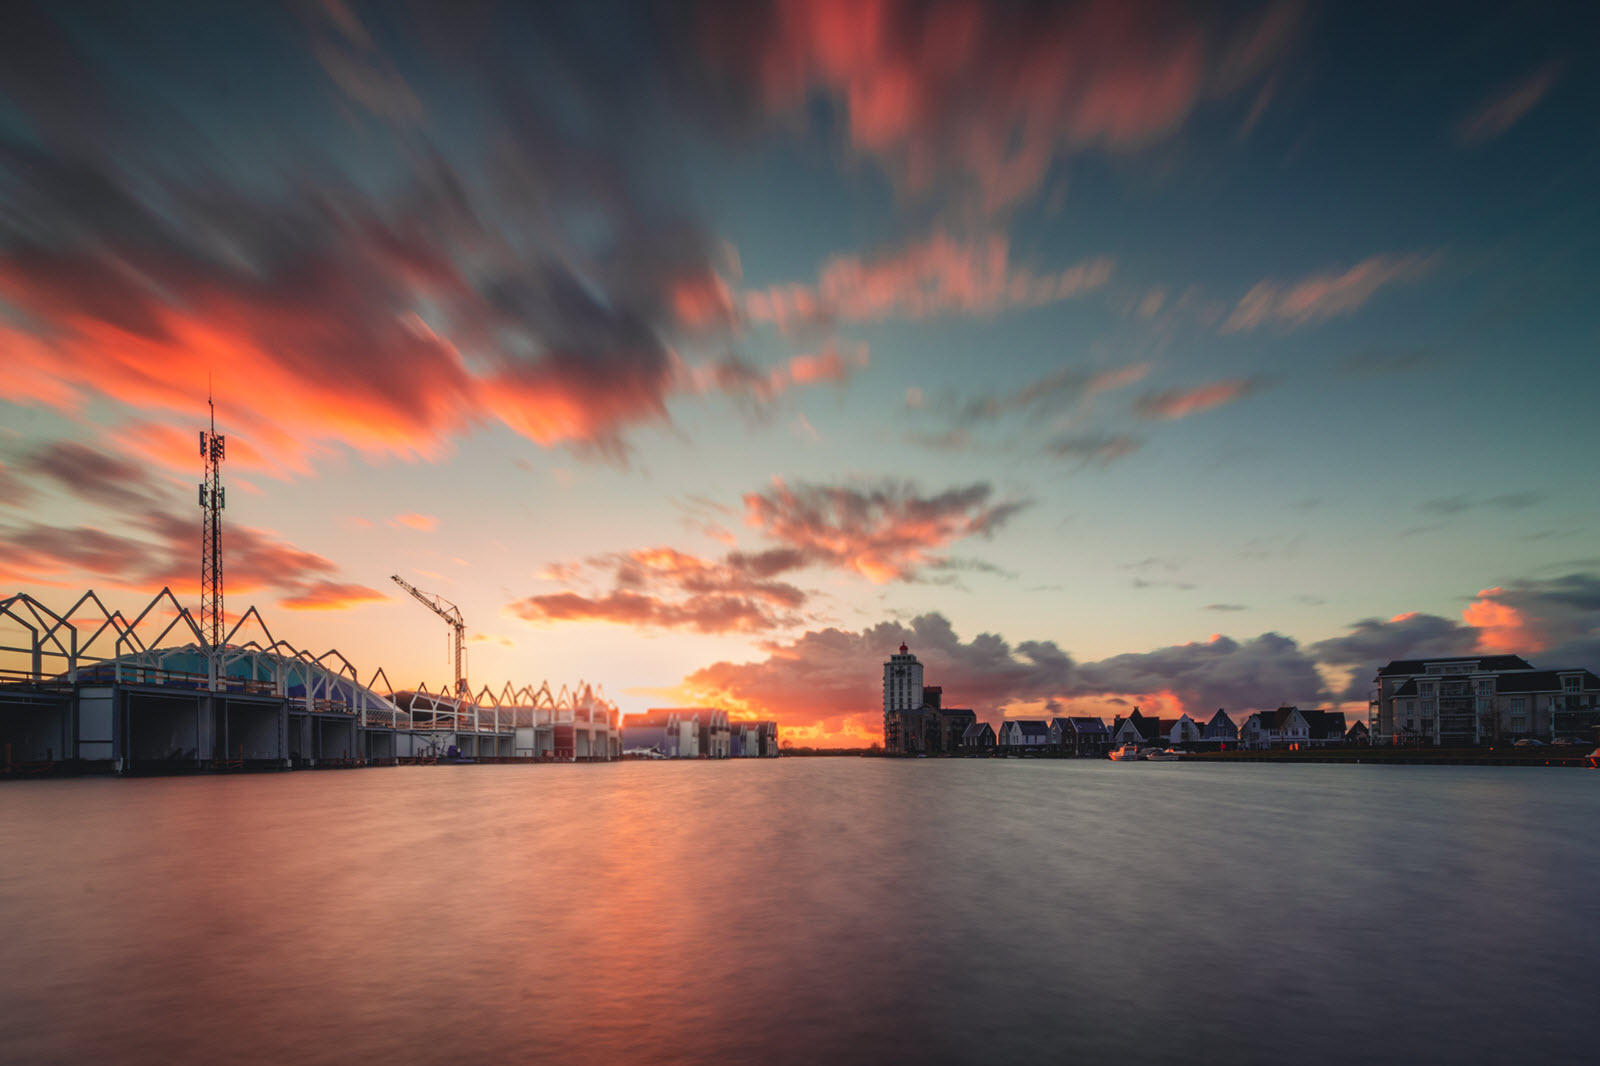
column 424, row 523
column 1322, row 296
column 1180, row 403
column 936, row 276
column 991, row 94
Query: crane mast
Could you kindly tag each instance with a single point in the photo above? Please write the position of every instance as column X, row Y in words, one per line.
column 452, row 615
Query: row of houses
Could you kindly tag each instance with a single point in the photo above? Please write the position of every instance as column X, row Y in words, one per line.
column 696, row 733
column 1286, row 727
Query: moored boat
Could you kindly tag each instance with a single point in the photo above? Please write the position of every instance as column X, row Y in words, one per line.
column 1161, row 755
column 1126, row 753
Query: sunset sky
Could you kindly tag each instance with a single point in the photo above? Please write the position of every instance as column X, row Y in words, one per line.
column 1108, row 354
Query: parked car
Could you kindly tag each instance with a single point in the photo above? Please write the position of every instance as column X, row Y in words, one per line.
column 1529, row 742
column 1564, row 740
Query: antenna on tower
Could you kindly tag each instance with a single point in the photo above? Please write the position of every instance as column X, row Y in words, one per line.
column 213, row 498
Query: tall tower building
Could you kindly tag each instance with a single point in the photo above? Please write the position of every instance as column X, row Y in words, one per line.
column 902, row 682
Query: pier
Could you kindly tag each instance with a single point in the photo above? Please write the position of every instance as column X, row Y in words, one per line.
column 87, row 690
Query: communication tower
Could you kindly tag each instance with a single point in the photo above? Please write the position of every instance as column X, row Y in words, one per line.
column 213, row 498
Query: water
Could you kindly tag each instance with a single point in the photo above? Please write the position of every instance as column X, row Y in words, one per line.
column 803, row 910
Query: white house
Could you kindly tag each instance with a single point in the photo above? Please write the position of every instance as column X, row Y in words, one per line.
column 1024, row 733
column 1283, row 728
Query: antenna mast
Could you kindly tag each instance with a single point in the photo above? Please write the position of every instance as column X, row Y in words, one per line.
column 213, row 498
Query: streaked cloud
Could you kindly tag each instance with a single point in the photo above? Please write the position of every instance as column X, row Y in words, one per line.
column 1507, row 106
column 989, row 97
column 1322, row 296
column 1169, row 404
column 938, row 275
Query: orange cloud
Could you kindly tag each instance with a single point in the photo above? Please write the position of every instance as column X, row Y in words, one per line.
column 1501, row 627
column 425, row 523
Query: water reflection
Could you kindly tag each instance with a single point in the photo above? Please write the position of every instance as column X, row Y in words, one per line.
column 798, row 911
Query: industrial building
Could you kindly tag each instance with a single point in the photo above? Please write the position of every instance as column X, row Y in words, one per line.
column 697, row 733
column 86, row 688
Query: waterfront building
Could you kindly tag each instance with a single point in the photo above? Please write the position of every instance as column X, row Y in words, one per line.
column 1024, row 733
column 1182, row 730
column 1285, row 727
column 767, row 740
column 1484, row 699
column 671, row 731
column 1358, row 735
column 979, row 736
column 1084, row 736
column 1136, row 729
column 915, row 721
column 1220, row 730
column 1326, row 728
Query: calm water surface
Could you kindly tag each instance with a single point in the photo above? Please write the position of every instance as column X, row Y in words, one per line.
column 803, row 910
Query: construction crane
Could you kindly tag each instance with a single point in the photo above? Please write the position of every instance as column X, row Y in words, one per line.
column 451, row 614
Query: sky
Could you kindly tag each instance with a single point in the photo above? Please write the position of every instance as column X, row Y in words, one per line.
column 1109, row 354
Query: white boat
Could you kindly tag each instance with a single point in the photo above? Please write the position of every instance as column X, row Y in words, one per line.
column 1160, row 755
column 1126, row 753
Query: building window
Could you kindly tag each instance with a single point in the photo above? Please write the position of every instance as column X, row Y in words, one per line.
column 1425, row 688
column 1427, row 708
column 1519, row 705
column 1571, row 684
column 1486, row 688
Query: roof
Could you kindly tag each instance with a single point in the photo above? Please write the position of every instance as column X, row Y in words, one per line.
column 1485, row 664
column 976, row 730
column 1088, row 725
column 1325, row 725
column 1543, row 681
column 1030, row 727
column 957, row 712
column 1220, row 718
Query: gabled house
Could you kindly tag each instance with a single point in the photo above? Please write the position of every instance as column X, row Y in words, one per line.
column 1085, row 736
column 1135, row 729
column 1326, row 728
column 1358, row 735
column 1220, row 730
column 1181, row 730
column 979, row 736
column 1020, row 733
column 1285, row 727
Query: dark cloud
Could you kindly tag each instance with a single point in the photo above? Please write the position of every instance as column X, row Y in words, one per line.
column 829, row 678
column 662, row 588
column 1372, row 642
column 1098, row 448
column 92, row 475
column 328, row 309
column 886, row 531
column 1378, row 362
column 158, row 549
column 1225, row 607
